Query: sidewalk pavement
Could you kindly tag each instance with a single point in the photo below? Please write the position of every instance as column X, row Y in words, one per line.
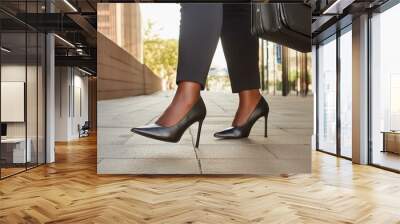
column 287, row 150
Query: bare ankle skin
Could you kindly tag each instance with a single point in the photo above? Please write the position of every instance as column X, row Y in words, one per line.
column 248, row 100
column 185, row 97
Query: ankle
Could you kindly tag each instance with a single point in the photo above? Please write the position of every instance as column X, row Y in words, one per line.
column 247, row 97
column 187, row 92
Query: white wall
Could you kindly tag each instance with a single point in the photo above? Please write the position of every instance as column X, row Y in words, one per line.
column 62, row 82
column 34, row 125
column 13, row 101
column 79, row 117
column 70, row 83
column 16, row 73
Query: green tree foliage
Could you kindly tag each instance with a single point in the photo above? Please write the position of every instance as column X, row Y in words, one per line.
column 160, row 55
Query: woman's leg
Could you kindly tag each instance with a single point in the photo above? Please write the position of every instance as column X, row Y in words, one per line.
column 241, row 53
column 200, row 30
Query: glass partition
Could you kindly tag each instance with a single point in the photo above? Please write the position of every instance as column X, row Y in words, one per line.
column 31, row 99
column 14, row 153
column 41, row 97
column 22, row 88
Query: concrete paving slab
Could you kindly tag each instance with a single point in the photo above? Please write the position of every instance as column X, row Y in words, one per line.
column 286, row 150
column 234, row 151
column 254, row 166
column 148, row 166
column 148, row 151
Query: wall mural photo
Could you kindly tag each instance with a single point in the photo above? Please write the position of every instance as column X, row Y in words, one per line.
column 204, row 89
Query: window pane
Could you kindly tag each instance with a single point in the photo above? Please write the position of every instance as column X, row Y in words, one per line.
column 386, row 89
column 346, row 93
column 327, row 96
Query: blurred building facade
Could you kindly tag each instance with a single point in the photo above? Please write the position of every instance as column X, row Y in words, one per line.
column 121, row 23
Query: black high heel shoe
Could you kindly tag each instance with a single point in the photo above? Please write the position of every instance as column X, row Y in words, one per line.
column 243, row 131
column 175, row 132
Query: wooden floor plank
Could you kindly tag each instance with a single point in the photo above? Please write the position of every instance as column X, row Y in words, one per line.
column 70, row 191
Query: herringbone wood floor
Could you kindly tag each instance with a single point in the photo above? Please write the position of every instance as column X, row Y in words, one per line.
column 70, row 191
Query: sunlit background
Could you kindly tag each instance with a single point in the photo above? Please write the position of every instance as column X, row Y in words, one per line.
column 150, row 32
column 166, row 20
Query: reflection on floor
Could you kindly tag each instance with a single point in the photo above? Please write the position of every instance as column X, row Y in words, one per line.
column 11, row 169
column 5, row 172
column 387, row 159
column 286, row 150
column 70, row 191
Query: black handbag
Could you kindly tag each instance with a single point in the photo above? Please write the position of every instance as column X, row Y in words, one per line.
column 288, row 24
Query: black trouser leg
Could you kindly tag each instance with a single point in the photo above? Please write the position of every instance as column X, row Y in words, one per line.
column 201, row 27
column 200, row 30
column 240, row 47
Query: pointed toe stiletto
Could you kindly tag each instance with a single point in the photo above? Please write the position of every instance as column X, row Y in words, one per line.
column 243, row 131
column 174, row 133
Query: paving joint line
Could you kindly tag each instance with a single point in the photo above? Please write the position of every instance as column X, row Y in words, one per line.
column 195, row 152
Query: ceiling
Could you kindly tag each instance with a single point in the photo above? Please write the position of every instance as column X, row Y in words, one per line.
column 75, row 22
column 330, row 15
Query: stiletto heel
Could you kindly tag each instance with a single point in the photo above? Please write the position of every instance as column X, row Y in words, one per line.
column 198, row 134
column 266, row 126
column 261, row 110
column 175, row 132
